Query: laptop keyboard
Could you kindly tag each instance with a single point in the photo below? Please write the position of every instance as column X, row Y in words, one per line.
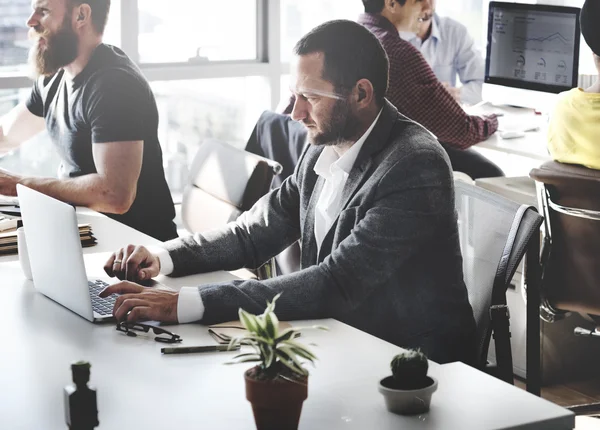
column 103, row 306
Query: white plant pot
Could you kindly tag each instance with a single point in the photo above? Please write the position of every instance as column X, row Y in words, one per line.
column 407, row 402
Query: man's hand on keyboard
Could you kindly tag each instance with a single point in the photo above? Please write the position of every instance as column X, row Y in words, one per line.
column 137, row 303
column 133, row 263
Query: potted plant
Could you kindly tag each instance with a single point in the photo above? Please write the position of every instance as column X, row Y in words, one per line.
column 408, row 391
column 278, row 385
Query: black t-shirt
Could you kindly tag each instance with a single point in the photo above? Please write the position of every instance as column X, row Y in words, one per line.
column 109, row 101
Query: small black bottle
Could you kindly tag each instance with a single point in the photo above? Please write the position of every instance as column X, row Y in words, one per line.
column 81, row 412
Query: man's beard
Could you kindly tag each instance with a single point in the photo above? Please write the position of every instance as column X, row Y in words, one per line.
column 60, row 49
column 341, row 127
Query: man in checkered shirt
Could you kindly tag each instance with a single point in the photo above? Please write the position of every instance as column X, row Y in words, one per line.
column 418, row 94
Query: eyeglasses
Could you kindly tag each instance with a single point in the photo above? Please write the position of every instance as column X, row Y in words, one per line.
column 135, row 329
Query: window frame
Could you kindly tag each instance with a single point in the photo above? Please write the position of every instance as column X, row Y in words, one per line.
column 267, row 64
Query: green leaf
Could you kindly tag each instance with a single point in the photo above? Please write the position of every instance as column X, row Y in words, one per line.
column 291, row 355
column 247, row 320
column 271, row 325
column 270, row 356
column 290, row 365
column 245, row 360
column 285, row 335
column 304, row 354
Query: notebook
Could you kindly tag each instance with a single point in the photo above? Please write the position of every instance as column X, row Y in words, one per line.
column 223, row 332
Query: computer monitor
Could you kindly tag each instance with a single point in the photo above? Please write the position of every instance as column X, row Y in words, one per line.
column 532, row 54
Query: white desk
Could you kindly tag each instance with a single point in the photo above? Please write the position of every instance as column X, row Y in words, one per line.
column 140, row 389
column 533, row 145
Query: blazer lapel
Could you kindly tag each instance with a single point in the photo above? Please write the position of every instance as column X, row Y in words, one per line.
column 376, row 141
column 309, row 243
column 361, row 170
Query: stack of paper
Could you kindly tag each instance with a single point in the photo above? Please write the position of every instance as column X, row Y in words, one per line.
column 8, row 239
column 8, row 223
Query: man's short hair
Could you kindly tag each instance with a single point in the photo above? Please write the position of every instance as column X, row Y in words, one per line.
column 100, row 10
column 590, row 28
column 351, row 52
column 376, row 6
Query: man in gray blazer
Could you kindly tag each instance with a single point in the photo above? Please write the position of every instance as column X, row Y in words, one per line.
column 371, row 200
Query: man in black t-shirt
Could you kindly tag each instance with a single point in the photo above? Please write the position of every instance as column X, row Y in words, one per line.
column 101, row 116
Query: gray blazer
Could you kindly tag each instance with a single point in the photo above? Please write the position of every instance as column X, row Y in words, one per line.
column 390, row 265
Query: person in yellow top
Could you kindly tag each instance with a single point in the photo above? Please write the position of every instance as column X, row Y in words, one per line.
column 574, row 130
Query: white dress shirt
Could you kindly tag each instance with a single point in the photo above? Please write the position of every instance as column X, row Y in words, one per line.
column 333, row 169
column 450, row 51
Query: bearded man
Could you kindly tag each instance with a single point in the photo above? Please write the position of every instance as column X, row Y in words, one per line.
column 101, row 116
column 371, row 201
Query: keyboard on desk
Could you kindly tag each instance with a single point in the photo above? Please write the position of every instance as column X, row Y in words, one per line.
column 102, row 306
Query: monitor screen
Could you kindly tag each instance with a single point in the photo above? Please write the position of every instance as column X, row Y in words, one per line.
column 532, row 46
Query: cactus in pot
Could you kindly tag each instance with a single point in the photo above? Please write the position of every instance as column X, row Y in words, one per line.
column 409, row 370
column 408, row 391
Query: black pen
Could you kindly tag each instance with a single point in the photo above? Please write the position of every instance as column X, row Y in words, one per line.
column 192, row 349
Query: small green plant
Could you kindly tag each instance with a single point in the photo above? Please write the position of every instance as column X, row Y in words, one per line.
column 277, row 352
column 409, row 369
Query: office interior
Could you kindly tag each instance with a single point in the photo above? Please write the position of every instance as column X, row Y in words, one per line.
column 215, row 67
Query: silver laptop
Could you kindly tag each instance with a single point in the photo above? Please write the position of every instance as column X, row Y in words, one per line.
column 56, row 257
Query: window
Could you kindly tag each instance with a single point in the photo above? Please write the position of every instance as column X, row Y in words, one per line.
column 14, row 44
column 197, row 31
column 35, row 157
column 298, row 17
column 194, row 111
column 471, row 13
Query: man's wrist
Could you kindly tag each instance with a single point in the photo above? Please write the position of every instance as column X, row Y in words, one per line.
column 190, row 307
column 165, row 262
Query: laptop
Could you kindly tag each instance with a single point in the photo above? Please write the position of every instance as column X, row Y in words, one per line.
column 56, row 256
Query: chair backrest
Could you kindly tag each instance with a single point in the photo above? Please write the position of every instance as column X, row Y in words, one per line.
column 224, row 182
column 279, row 138
column 494, row 235
column 571, row 196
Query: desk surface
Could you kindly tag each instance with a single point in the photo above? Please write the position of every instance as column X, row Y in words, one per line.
column 139, row 388
column 532, row 145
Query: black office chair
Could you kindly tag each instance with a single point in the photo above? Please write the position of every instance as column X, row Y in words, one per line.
column 495, row 234
column 569, row 196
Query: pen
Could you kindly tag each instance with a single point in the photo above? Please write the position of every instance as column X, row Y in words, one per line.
column 192, row 349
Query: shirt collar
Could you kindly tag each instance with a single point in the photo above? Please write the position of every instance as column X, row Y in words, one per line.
column 376, row 20
column 329, row 159
column 435, row 32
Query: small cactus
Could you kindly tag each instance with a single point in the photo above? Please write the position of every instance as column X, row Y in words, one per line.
column 409, row 369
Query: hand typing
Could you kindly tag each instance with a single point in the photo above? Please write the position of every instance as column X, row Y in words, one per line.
column 137, row 303
column 454, row 92
column 133, row 263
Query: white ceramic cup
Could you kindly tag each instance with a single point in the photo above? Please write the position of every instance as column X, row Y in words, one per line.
column 23, row 254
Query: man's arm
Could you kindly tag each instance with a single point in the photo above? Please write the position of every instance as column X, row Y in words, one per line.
column 259, row 234
column 387, row 237
column 469, row 65
column 18, row 126
column 418, row 94
column 111, row 190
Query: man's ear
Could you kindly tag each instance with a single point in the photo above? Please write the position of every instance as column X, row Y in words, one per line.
column 365, row 93
column 84, row 14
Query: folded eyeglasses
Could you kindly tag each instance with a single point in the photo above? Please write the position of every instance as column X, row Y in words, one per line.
column 136, row 329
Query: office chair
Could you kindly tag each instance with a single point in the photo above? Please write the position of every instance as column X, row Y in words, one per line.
column 224, row 182
column 495, row 234
column 569, row 196
column 281, row 139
